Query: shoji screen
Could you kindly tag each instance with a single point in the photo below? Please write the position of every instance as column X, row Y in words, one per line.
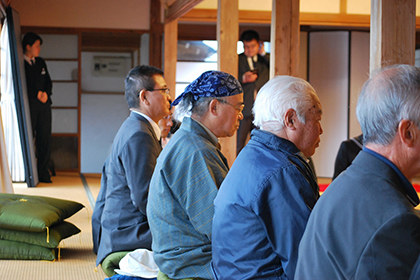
column 359, row 73
column 61, row 54
column 328, row 72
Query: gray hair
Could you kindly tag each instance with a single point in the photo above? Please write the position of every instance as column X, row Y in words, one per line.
column 189, row 106
column 139, row 78
column 278, row 95
column 393, row 94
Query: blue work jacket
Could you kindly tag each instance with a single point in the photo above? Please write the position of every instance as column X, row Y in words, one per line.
column 261, row 210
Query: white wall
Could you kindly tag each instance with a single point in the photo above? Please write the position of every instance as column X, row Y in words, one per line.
column 359, row 73
column 338, row 68
column 103, row 110
column 121, row 14
column 109, row 83
column 102, row 115
column 328, row 74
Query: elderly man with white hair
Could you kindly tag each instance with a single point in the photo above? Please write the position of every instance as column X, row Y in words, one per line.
column 264, row 202
column 365, row 225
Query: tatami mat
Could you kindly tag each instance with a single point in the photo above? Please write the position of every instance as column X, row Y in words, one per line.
column 77, row 259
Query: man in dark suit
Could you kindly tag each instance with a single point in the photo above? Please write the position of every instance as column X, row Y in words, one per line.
column 39, row 87
column 119, row 221
column 253, row 73
column 347, row 152
column 365, row 226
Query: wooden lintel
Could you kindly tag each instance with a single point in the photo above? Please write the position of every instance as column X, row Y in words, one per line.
column 264, row 17
column 179, row 8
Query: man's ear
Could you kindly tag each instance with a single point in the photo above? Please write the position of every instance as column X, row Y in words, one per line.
column 407, row 132
column 289, row 119
column 214, row 106
column 143, row 97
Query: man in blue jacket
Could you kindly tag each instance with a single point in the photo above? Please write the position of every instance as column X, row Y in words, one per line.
column 365, row 226
column 262, row 207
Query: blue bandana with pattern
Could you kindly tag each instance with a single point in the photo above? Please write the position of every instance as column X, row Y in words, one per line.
column 211, row 84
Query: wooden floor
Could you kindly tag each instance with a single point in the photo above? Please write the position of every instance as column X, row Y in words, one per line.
column 77, row 259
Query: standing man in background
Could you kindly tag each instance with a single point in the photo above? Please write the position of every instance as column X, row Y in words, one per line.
column 253, row 73
column 39, row 87
column 347, row 153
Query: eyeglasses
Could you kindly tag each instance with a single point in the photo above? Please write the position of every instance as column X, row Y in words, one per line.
column 239, row 109
column 165, row 90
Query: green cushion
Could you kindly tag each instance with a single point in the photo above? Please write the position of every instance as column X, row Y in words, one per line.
column 12, row 250
column 56, row 234
column 112, row 261
column 34, row 213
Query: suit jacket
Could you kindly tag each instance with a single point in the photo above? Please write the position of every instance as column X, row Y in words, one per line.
column 363, row 227
column 346, row 154
column 37, row 79
column 415, row 274
column 249, row 88
column 119, row 221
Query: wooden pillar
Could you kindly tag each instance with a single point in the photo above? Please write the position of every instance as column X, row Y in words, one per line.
column 392, row 33
column 156, row 32
column 227, row 38
column 176, row 9
column 171, row 53
column 285, row 33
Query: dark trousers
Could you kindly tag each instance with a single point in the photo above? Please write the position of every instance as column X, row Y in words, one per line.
column 41, row 127
column 245, row 127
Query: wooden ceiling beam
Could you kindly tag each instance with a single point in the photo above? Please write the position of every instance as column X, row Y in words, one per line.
column 264, row 17
column 179, row 8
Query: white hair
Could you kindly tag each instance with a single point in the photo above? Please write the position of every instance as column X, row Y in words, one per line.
column 278, row 95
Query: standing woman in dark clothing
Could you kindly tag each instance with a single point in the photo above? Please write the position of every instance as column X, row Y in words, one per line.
column 39, row 88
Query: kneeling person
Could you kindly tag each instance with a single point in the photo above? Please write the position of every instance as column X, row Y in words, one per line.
column 264, row 202
column 119, row 220
column 188, row 174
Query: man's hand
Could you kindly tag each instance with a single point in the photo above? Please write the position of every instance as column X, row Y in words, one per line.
column 261, row 50
column 42, row 96
column 249, row 77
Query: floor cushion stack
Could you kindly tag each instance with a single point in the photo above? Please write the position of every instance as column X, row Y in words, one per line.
column 31, row 227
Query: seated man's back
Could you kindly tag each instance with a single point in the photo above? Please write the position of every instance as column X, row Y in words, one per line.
column 119, row 221
column 188, row 175
column 261, row 210
column 365, row 226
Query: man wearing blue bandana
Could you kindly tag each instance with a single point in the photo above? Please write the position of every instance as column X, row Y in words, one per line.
column 365, row 226
column 188, row 174
column 261, row 210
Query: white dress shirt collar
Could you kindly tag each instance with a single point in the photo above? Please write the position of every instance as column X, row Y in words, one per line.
column 155, row 126
column 29, row 60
